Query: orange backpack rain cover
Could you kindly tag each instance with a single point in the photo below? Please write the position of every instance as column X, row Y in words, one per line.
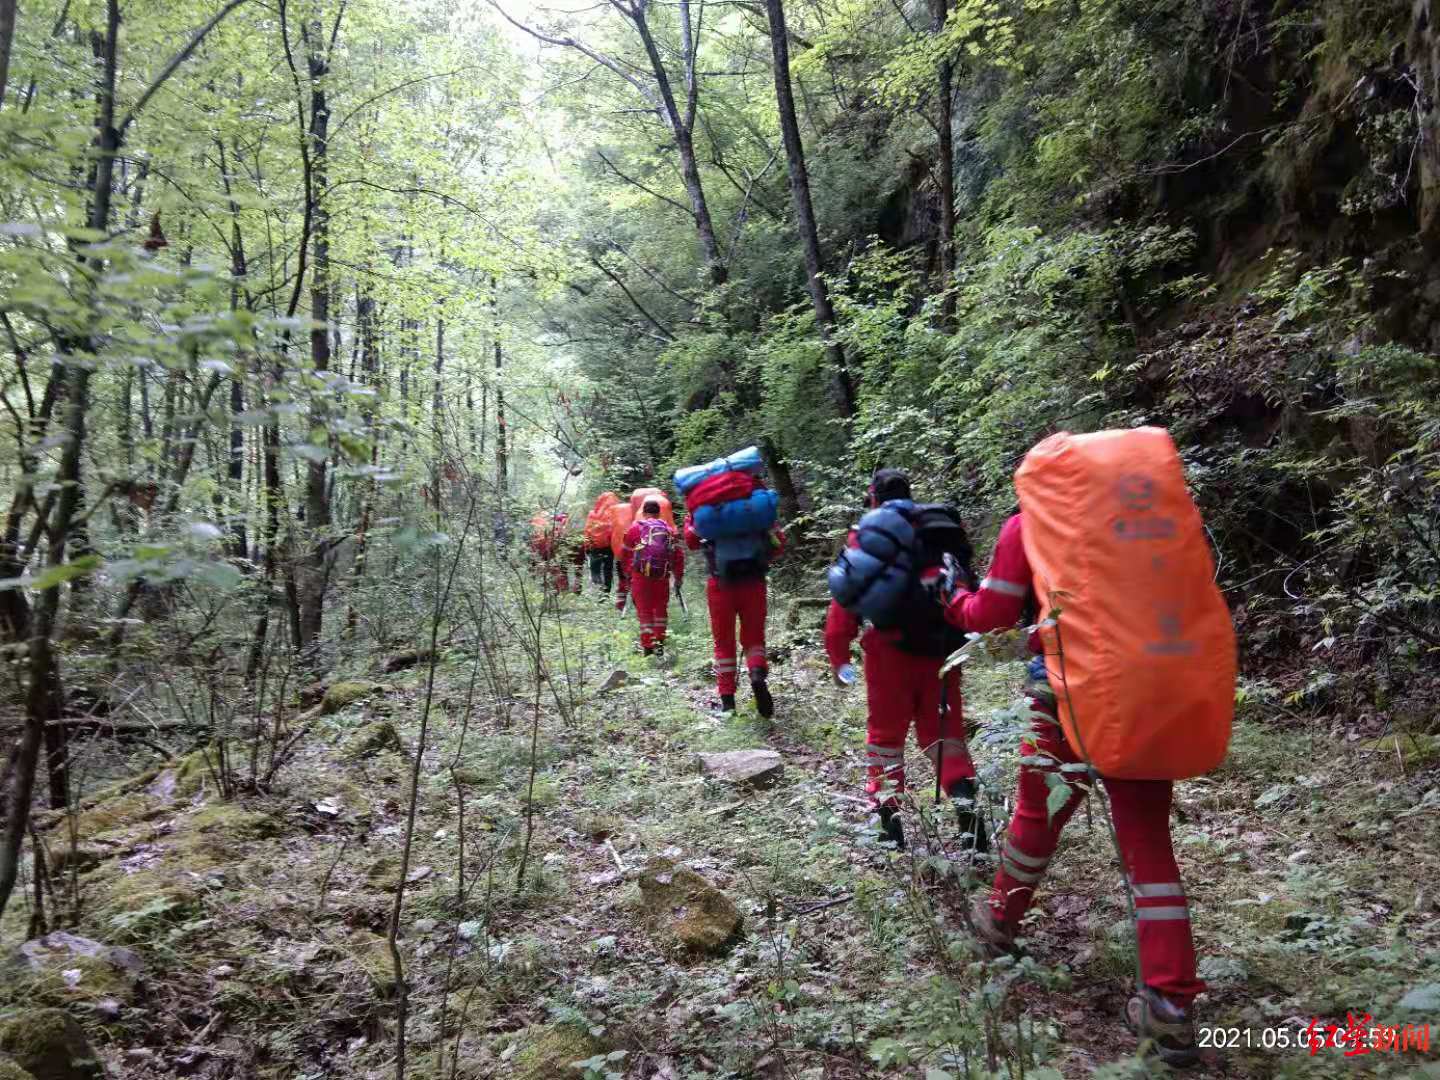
column 597, row 522
column 637, row 500
column 620, row 518
column 1142, row 653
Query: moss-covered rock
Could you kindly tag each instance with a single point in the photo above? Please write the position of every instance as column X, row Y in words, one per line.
column 341, row 695
column 384, row 872
column 467, row 777
column 1414, row 751
column 372, row 953
column 191, row 773
column 215, row 836
column 50, row 1045
column 10, row 1071
column 66, row 858
column 63, row 969
column 678, row 902
column 548, row 1052
column 130, row 906
column 137, row 800
column 232, row 820
column 112, row 815
column 372, row 739
column 600, row 827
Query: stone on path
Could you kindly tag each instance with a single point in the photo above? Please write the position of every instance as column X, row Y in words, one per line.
column 342, row 695
column 374, row 738
column 753, row 769
column 682, row 905
column 616, row 679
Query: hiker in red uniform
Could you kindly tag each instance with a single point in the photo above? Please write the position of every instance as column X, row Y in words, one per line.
column 651, row 555
column 552, row 550
column 903, row 689
column 738, row 591
column 1140, row 808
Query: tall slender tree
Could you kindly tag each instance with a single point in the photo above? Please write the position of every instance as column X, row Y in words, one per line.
column 843, row 386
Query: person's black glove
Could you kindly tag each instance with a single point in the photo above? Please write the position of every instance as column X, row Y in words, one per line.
column 943, row 583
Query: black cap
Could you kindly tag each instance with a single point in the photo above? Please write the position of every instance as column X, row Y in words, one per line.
column 889, row 484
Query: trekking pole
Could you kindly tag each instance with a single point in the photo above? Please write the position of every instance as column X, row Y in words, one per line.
column 940, row 755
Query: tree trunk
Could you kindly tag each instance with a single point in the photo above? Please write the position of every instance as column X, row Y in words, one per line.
column 437, row 401
column 944, row 121
column 1424, row 52
column 270, row 540
column 315, row 572
column 7, row 39
column 502, row 435
column 804, row 212
column 235, row 464
column 44, row 700
column 369, row 376
column 779, row 470
column 682, row 127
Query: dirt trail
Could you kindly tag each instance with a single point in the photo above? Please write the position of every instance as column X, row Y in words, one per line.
column 259, row 920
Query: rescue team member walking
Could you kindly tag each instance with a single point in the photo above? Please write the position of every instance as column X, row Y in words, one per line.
column 903, row 686
column 599, row 524
column 736, row 590
column 1142, row 704
column 651, row 555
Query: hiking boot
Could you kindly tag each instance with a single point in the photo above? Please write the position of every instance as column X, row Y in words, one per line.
column 1164, row 1028
column 727, row 703
column 764, row 703
column 891, row 828
column 647, row 650
column 995, row 938
column 974, row 836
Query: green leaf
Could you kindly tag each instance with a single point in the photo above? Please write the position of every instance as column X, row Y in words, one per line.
column 1057, row 798
column 57, row 575
column 220, row 575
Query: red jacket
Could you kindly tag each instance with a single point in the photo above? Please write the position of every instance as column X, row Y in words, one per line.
column 1000, row 601
column 632, row 542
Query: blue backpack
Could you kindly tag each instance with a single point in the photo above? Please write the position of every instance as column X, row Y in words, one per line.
column 736, row 557
column 738, row 517
column 879, row 578
column 747, row 460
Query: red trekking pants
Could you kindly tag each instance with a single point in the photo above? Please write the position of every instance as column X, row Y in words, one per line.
column 728, row 601
column 1141, row 811
column 651, row 596
column 902, row 688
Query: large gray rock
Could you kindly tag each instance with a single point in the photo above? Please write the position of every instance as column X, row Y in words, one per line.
column 59, row 947
column 67, row 970
column 744, row 768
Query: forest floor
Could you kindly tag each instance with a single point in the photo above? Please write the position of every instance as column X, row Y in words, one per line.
column 257, row 925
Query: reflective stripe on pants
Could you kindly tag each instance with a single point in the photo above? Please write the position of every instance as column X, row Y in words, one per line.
column 903, row 690
column 652, row 603
column 728, row 602
column 1141, row 811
